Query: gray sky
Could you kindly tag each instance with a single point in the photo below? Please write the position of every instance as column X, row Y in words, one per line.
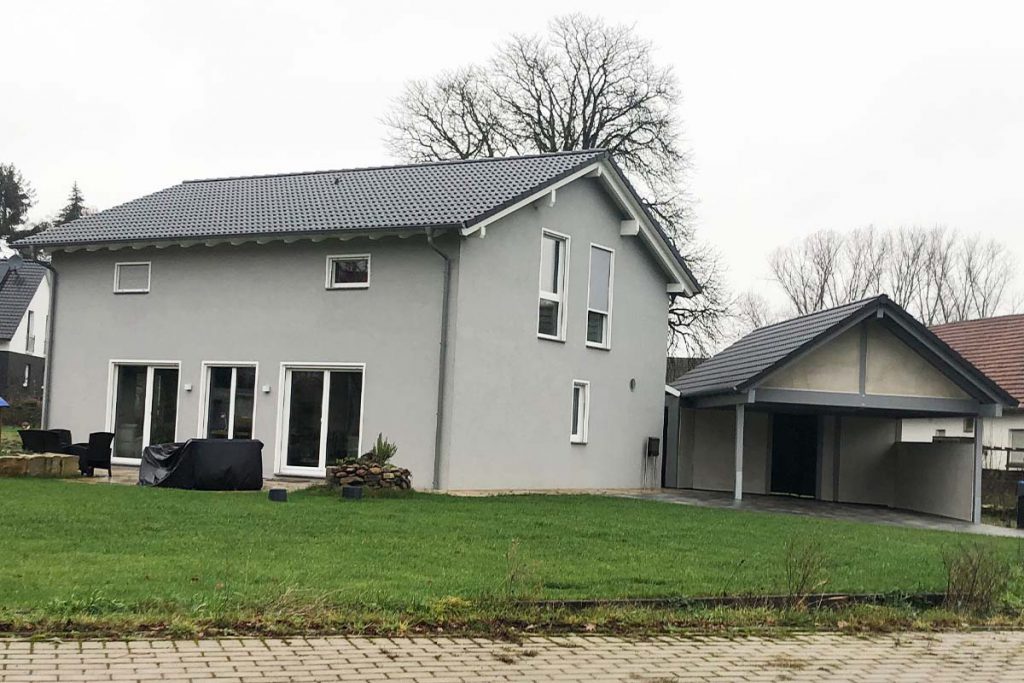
column 799, row 115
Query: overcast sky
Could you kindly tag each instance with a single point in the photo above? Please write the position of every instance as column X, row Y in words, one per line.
column 799, row 115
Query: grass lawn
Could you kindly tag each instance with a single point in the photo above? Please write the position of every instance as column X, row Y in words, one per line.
column 68, row 549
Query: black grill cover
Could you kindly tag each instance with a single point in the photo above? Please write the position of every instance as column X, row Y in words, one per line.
column 204, row 464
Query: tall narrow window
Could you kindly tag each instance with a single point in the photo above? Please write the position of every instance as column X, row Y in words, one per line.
column 599, row 298
column 231, row 393
column 580, row 411
column 30, row 333
column 554, row 256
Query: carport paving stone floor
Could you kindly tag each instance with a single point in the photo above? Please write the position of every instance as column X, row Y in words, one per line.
column 816, row 508
column 935, row 657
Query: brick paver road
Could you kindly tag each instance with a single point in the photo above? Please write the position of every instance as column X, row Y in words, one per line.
column 935, row 658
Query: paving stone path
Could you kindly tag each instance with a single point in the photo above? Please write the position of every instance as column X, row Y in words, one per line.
column 935, row 658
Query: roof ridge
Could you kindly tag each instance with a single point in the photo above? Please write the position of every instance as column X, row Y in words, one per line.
column 876, row 297
column 599, row 151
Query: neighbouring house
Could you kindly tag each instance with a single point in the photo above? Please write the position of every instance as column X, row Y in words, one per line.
column 814, row 407
column 503, row 320
column 24, row 307
column 996, row 347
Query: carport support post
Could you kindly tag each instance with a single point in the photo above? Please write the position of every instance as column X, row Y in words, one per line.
column 978, row 451
column 740, row 413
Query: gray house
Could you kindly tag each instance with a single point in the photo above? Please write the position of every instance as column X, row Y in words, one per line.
column 503, row 320
column 814, row 407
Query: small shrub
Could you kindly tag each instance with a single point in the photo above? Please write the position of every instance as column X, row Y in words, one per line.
column 976, row 578
column 383, row 450
column 805, row 562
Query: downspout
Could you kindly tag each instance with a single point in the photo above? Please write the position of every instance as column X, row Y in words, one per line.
column 48, row 345
column 442, row 358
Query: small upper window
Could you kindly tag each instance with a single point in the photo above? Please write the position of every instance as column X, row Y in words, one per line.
column 599, row 303
column 131, row 278
column 580, row 411
column 969, row 425
column 554, row 254
column 348, row 272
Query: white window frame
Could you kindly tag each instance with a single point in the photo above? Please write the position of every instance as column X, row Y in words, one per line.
column 562, row 297
column 151, row 366
column 329, row 281
column 204, row 393
column 149, row 276
column 30, row 332
column 284, row 405
column 579, row 433
column 607, row 345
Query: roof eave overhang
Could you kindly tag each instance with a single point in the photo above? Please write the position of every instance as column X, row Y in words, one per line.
column 637, row 224
column 401, row 232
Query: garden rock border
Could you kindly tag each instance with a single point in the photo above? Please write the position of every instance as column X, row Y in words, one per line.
column 370, row 474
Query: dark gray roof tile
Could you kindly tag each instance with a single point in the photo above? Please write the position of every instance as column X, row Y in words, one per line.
column 441, row 194
column 17, row 287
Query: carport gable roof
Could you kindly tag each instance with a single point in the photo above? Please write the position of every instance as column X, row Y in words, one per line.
column 743, row 365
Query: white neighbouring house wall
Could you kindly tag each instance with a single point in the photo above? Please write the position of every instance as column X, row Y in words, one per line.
column 997, row 433
column 40, row 306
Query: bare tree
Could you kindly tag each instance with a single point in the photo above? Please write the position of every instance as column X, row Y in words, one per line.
column 937, row 274
column 584, row 84
column 752, row 310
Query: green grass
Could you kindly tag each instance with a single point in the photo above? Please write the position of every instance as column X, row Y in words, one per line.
column 69, row 549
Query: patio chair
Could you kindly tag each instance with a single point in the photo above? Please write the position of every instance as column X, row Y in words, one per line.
column 40, row 441
column 93, row 455
column 64, row 436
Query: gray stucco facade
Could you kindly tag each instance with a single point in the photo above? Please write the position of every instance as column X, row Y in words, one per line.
column 509, row 399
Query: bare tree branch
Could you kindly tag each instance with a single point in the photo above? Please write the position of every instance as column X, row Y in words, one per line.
column 584, row 84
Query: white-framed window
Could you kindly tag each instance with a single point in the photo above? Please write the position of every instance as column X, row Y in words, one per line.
column 228, row 400
column 580, row 411
column 968, row 425
column 132, row 278
column 599, row 297
column 348, row 271
column 554, row 263
column 30, row 333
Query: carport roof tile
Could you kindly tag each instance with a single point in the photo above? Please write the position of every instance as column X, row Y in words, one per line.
column 763, row 348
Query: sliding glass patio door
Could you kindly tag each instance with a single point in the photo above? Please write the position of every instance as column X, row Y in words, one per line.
column 145, row 409
column 322, row 417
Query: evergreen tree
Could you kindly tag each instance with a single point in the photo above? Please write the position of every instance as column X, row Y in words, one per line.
column 16, row 198
column 74, row 209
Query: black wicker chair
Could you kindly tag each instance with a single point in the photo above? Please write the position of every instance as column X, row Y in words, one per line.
column 93, row 455
column 64, row 436
column 40, row 441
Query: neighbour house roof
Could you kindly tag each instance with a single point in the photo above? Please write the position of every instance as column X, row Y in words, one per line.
column 742, row 365
column 994, row 345
column 17, row 287
column 444, row 195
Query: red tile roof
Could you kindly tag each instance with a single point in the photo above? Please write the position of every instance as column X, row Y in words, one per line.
column 994, row 345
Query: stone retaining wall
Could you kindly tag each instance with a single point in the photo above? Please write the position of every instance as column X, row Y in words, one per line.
column 39, row 465
column 369, row 474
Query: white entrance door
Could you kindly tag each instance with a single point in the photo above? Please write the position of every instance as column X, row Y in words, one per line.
column 322, row 417
column 144, row 410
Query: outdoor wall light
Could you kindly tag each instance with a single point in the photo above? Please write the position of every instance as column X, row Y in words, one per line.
column 265, row 388
column 632, row 384
column 188, row 387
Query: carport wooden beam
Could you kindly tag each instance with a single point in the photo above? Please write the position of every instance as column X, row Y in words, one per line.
column 740, row 415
